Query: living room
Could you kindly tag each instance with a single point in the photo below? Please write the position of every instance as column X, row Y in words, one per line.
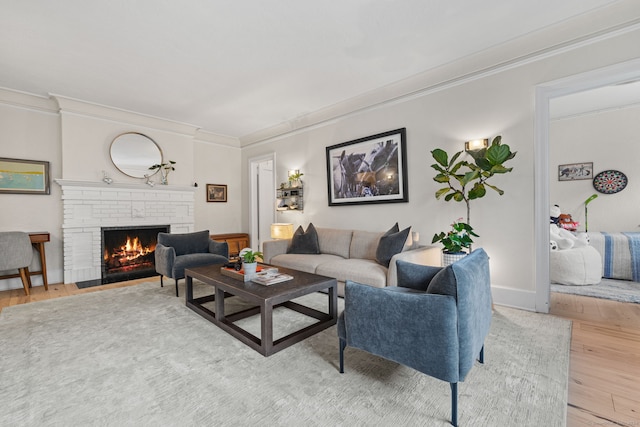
column 481, row 95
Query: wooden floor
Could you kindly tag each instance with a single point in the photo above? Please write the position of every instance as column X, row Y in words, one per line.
column 604, row 381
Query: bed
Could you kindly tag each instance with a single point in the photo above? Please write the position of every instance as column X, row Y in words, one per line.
column 620, row 254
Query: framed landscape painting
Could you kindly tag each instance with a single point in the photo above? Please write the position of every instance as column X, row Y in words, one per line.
column 216, row 193
column 24, row 176
column 368, row 170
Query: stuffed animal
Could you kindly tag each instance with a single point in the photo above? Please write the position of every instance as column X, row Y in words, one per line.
column 555, row 214
column 563, row 239
column 565, row 221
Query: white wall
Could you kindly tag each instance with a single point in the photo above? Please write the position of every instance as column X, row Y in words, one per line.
column 75, row 137
column 30, row 129
column 500, row 101
column 610, row 140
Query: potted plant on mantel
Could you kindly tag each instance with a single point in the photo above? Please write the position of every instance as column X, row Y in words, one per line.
column 250, row 261
column 455, row 241
column 466, row 181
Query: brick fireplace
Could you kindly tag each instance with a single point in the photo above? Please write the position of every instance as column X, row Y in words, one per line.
column 91, row 206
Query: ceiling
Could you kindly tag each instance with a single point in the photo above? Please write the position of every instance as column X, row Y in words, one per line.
column 235, row 67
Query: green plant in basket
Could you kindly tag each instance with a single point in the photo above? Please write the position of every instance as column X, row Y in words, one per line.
column 456, row 239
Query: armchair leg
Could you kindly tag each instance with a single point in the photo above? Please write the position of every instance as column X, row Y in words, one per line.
column 177, row 288
column 481, row 358
column 26, row 279
column 343, row 344
column 454, row 404
column 161, row 284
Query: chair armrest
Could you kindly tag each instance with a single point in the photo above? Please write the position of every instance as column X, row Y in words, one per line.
column 164, row 259
column 424, row 255
column 415, row 329
column 219, row 248
column 271, row 248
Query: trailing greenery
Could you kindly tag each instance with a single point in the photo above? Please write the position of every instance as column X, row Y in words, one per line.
column 465, row 181
column 457, row 238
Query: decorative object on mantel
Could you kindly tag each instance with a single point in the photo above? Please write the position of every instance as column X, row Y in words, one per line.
column 216, row 192
column 149, row 181
column 457, row 176
column 132, row 153
column 368, row 170
column 19, row 176
column 454, row 241
column 610, row 182
column 165, row 169
column 106, row 178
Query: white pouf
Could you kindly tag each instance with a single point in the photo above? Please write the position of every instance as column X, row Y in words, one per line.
column 577, row 266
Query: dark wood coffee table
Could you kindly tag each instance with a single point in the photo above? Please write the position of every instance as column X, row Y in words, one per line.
column 265, row 298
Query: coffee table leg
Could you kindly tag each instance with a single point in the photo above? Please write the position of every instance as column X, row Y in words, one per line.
column 189, row 288
column 333, row 302
column 266, row 323
column 219, row 305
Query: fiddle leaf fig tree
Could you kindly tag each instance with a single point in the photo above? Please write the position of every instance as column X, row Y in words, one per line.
column 465, row 181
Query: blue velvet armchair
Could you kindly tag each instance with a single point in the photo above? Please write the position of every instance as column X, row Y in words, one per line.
column 435, row 321
column 175, row 252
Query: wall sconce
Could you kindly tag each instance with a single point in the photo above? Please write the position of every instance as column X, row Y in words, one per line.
column 476, row 144
column 281, row 230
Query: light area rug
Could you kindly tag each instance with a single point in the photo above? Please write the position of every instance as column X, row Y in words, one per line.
column 617, row 290
column 137, row 356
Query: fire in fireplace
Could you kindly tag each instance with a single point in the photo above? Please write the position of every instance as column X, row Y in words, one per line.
column 128, row 252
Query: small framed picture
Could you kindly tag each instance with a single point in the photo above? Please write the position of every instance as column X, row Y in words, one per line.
column 24, row 176
column 216, row 192
column 575, row 171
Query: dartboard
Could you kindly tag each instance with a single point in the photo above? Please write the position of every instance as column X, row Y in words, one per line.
column 610, row 182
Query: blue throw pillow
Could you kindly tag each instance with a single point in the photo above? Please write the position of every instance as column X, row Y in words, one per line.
column 391, row 243
column 444, row 283
column 305, row 242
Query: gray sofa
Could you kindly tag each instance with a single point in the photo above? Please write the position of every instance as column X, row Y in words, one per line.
column 348, row 255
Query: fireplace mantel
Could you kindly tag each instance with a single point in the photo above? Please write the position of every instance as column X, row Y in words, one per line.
column 90, row 205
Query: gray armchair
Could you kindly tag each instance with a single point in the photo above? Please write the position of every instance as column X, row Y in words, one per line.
column 16, row 253
column 435, row 321
column 175, row 252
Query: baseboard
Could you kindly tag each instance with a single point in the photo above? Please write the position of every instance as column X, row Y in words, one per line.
column 516, row 298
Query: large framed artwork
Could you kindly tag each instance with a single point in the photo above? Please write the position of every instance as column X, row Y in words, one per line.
column 24, row 176
column 368, row 170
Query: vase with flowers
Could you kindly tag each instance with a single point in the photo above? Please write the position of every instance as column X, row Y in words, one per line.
column 165, row 169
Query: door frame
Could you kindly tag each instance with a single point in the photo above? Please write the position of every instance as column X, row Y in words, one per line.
column 618, row 73
column 253, row 193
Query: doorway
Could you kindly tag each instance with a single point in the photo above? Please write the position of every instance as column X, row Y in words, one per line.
column 618, row 73
column 262, row 201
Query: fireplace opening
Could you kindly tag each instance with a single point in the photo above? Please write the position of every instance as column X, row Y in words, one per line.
column 129, row 252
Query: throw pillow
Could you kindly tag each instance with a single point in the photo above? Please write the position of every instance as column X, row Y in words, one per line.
column 444, row 283
column 415, row 276
column 391, row 243
column 305, row 242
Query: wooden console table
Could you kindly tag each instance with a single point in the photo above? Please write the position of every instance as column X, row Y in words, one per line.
column 37, row 240
column 236, row 242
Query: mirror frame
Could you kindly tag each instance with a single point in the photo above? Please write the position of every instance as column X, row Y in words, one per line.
column 140, row 168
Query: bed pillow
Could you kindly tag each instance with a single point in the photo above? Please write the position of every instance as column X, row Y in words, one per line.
column 391, row 243
column 304, row 242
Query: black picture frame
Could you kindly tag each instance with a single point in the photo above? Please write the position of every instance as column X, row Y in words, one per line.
column 19, row 176
column 216, row 192
column 368, row 170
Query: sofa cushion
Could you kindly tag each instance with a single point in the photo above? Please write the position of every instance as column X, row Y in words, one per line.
column 334, row 241
column 357, row 270
column 364, row 244
column 194, row 260
column 391, row 243
column 304, row 242
column 303, row 262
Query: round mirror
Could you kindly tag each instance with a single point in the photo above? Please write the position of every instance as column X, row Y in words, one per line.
column 133, row 153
